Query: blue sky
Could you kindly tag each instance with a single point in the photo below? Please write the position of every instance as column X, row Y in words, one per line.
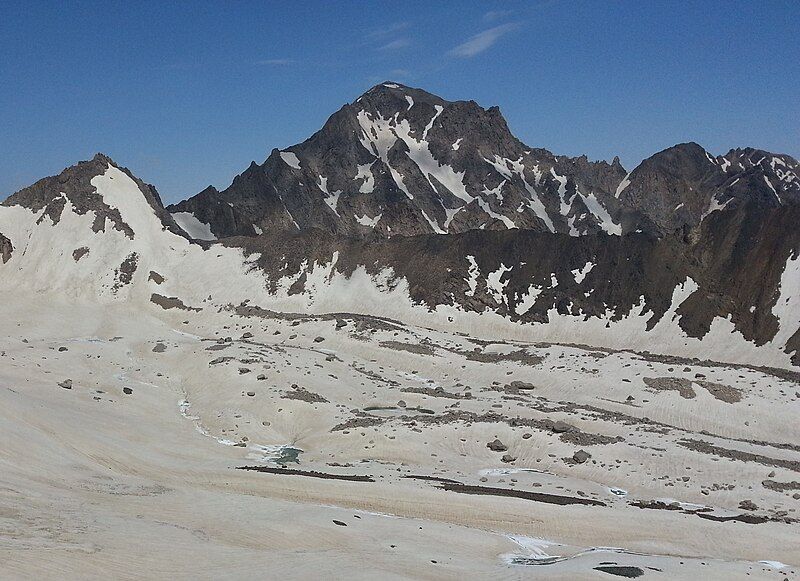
column 186, row 94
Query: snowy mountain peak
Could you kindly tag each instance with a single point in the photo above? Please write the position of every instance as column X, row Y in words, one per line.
column 398, row 91
column 100, row 188
column 402, row 161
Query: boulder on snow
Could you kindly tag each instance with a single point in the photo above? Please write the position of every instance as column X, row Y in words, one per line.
column 581, row 456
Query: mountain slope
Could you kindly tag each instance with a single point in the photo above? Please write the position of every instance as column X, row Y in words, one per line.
column 73, row 186
column 738, row 274
column 156, row 384
column 726, row 289
column 401, row 161
column 683, row 184
column 95, row 232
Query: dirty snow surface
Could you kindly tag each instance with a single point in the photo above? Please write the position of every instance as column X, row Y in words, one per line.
column 230, row 444
column 162, row 415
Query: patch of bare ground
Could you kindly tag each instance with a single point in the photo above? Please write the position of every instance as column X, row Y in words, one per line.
column 707, row 448
column 751, row 519
column 520, row 356
column 124, row 274
column 705, row 513
column 155, row 277
column 362, row 421
column 167, row 303
column 437, row 392
column 374, row 376
column 302, row 394
column 523, row 494
column 781, row 486
column 416, row 348
column 308, row 473
column 679, row 384
column 362, row 322
column 79, row 253
column 722, row 392
column 573, row 435
column 785, row 374
column 430, row 478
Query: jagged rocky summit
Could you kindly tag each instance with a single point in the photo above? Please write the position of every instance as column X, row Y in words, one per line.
column 401, row 161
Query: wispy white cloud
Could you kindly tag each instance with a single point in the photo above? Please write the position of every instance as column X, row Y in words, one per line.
column 483, row 40
column 494, row 15
column 396, row 44
column 388, row 30
column 275, row 62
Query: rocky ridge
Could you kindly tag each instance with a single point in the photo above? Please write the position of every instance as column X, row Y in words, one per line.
column 694, row 252
column 402, row 161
